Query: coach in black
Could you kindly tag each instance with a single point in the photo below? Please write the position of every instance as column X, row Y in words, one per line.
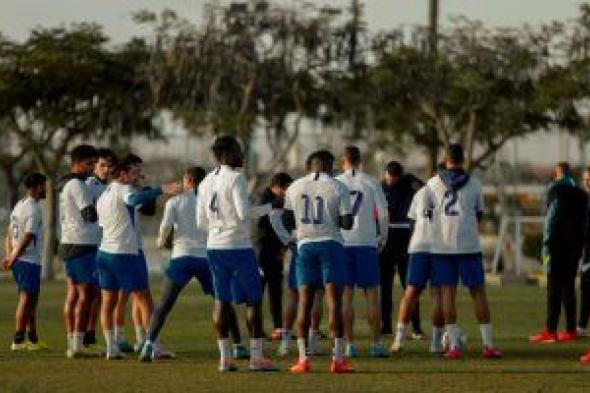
column 585, row 268
column 399, row 189
column 564, row 235
column 272, row 251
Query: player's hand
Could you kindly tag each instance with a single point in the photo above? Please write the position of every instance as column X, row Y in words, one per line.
column 7, row 263
column 172, row 188
column 381, row 243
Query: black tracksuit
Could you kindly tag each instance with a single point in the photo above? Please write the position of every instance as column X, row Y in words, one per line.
column 585, row 279
column 564, row 238
column 270, row 261
column 394, row 257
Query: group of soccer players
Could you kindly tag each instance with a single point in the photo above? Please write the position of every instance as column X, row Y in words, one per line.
column 334, row 226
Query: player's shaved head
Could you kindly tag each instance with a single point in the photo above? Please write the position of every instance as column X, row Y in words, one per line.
column 321, row 161
column 227, row 151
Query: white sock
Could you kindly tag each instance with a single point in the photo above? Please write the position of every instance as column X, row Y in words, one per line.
column 437, row 333
column 400, row 332
column 486, row 335
column 453, row 332
column 139, row 334
column 224, row 345
column 109, row 339
column 70, row 340
column 119, row 333
column 338, row 349
column 77, row 341
column 255, row 348
column 302, row 349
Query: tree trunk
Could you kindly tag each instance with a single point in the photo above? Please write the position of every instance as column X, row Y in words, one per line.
column 432, row 154
column 49, row 231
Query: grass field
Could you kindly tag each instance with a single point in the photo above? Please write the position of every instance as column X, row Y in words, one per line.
column 517, row 311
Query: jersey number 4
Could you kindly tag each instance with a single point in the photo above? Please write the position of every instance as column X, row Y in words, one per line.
column 317, row 205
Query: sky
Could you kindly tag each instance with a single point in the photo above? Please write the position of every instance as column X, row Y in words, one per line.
column 18, row 17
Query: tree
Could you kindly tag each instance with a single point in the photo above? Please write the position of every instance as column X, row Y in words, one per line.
column 481, row 90
column 247, row 68
column 62, row 86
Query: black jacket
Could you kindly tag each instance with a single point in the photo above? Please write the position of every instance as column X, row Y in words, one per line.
column 399, row 197
column 266, row 235
column 566, row 221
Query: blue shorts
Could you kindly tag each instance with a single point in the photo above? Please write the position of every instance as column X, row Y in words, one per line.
column 27, row 276
column 363, row 267
column 321, row 263
column 292, row 277
column 235, row 275
column 82, row 269
column 122, row 271
column 419, row 269
column 181, row 270
column 447, row 268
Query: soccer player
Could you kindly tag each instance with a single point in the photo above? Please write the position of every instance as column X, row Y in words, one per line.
column 290, row 309
column 223, row 210
column 318, row 207
column 189, row 257
column 97, row 183
column 121, row 263
column 78, row 247
column 23, row 256
column 419, row 274
column 361, row 244
column 457, row 202
column 399, row 188
column 272, row 251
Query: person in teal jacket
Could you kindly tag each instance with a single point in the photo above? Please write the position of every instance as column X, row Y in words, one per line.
column 564, row 236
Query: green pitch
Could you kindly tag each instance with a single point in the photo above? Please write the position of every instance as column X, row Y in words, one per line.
column 517, row 312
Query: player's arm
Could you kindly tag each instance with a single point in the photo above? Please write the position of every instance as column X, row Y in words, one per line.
column 479, row 207
column 8, row 242
column 201, row 211
column 276, row 222
column 166, row 225
column 345, row 217
column 242, row 204
column 382, row 214
column 84, row 201
column 19, row 249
